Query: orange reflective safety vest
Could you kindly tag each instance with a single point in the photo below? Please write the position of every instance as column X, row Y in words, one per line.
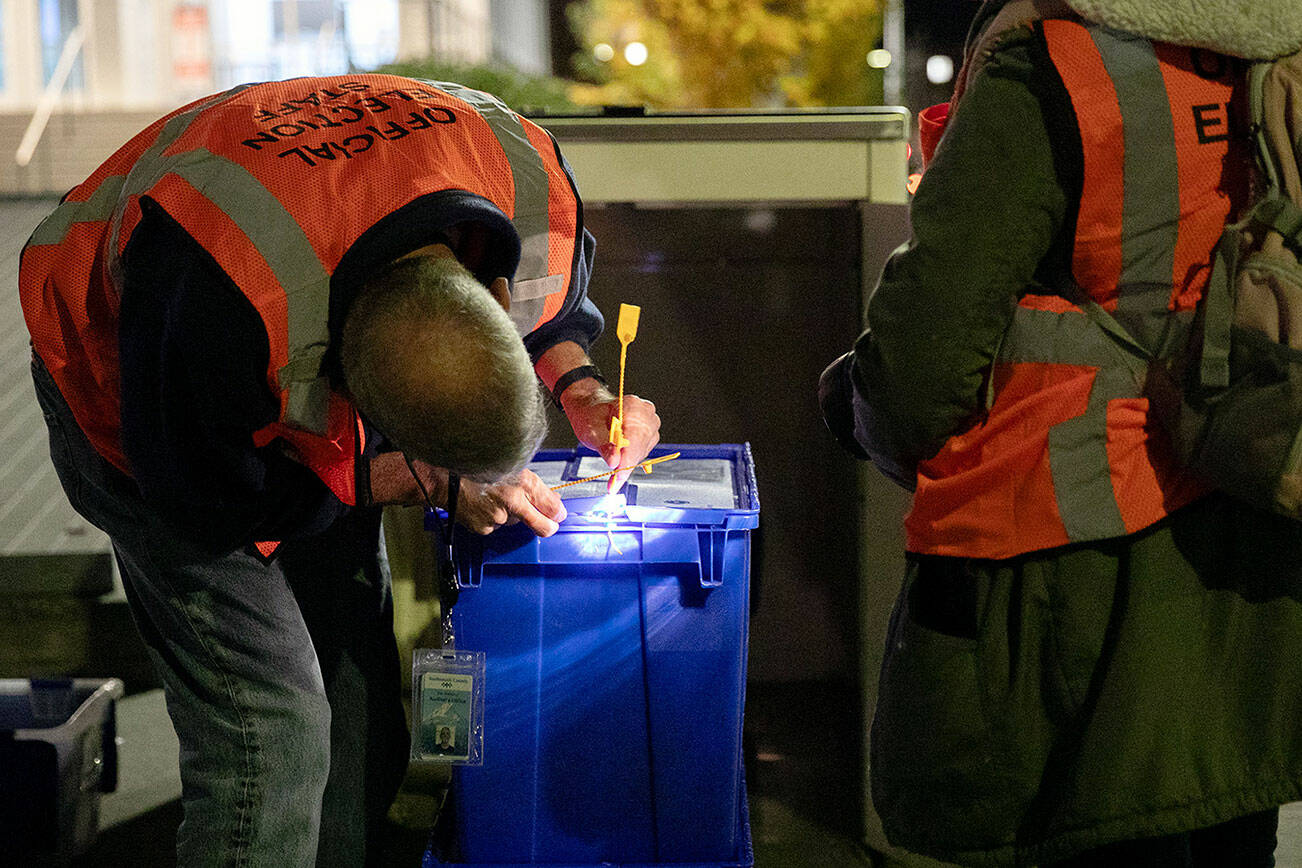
column 276, row 181
column 1067, row 453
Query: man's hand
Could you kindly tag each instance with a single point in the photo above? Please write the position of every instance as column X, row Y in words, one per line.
column 590, row 406
column 480, row 508
column 590, row 412
column 484, row 508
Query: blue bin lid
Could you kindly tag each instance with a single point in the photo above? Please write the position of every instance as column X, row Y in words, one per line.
column 709, row 491
column 705, row 485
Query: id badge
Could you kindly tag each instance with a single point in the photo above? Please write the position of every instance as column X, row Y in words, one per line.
column 448, row 707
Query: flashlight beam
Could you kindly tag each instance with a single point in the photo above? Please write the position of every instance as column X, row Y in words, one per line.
column 645, row 465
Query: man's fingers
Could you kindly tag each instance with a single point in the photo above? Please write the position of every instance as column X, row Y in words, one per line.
column 617, row 481
column 642, row 429
column 546, row 501
column 641, row 423
column 522, row 508
column 489, row 515
column 485, row 508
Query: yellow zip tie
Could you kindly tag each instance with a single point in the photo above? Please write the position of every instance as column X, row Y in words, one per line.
column 645, row 465
column 626, row 330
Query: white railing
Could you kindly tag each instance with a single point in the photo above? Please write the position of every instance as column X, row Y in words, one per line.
column 50, row 96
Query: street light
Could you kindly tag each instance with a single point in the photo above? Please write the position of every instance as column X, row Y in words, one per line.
column 940, row 69
column 879, row 58
column 635, row 53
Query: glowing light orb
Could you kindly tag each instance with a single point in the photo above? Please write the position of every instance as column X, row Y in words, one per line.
column 879, row 58
column 940, row 69
column 636, row 53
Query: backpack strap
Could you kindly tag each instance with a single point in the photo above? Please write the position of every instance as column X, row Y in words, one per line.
column 1276, row 93
column 1273, row 212
column 1281, row 215
column 1218, row 310
column 1257, row 117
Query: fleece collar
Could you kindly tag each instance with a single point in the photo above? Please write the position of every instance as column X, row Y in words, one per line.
column 1255, row 29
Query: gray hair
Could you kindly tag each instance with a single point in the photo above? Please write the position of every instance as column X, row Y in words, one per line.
column 435, row 363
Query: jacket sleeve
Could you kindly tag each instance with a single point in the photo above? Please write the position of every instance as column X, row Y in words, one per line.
column 985, row 219
column 578, row 319
column 194, row 354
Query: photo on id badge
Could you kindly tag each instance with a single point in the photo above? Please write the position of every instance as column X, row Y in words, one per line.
column 445, row 715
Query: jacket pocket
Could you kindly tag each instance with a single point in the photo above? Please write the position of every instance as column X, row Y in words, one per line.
column 944, row 778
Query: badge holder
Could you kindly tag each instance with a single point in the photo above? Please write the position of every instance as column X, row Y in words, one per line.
column 447, row 685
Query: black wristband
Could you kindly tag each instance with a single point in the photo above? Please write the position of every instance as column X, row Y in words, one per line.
column 569, row 378
column 362, row 481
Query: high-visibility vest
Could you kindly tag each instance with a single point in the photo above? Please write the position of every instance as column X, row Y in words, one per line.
column 1067, row 452
column 277, row 181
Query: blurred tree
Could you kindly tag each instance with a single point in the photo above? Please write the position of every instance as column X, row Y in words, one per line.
column 522, row 91
column 727, row 53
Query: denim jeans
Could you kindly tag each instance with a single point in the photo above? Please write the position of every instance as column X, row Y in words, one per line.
column 281, row 678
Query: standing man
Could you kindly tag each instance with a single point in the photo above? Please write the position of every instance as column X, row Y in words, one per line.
column 1094, row 659
column 267, row 315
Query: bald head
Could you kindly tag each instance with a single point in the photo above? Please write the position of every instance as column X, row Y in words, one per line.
column 433, row 361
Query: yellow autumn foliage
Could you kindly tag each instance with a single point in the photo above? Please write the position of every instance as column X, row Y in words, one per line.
column 729, row 53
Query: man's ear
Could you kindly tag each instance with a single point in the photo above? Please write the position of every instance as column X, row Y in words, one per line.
column 501, row 290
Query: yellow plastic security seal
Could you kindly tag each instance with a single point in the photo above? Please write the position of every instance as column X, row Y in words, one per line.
column 645, row 465
column 625, row 330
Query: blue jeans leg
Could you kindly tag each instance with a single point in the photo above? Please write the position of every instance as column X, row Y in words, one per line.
column 344, row 592
column 246, row 696
column 236, row 644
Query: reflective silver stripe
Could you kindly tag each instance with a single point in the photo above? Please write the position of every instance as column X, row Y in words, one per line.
column 1151, row 206
column 531, row 212
column 273, row 231
column 1078, row 458
column 539, row 287
column 149, row 168
column 1057, row 339
column 99, row 207
column 283, row 244
column 101, row 203
column 1077, row 447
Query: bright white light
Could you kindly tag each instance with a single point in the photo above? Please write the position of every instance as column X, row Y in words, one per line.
column 610, row 506
column 940, row 69
column 603, row 52
column 879, row 58
column 635, row 53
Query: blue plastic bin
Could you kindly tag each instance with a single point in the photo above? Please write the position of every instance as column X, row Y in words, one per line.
column 616, row 671
column 442, row 853
column 58, row 753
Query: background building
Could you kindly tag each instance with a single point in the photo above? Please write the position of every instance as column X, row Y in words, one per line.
column 79, row 77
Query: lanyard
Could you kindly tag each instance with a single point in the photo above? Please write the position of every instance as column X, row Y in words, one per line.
column 448, row 581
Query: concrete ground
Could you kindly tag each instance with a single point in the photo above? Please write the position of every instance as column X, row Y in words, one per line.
column 802, row 785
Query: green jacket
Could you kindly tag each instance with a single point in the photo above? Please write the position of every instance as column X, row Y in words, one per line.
column 1032, row 708
column 987, row 224
column 1035, row 707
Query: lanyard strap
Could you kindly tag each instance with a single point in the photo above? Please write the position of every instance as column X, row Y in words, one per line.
column 448, row 582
